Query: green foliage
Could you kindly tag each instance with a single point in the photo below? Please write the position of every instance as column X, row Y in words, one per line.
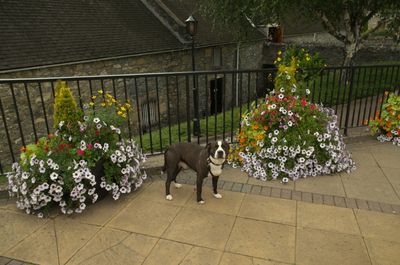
column 296, row 67
column 105, row 107
column 287, row 136
column 80, row 161
column 346, row 20
column 309, row 65
column 65, row 107
column 388, row 122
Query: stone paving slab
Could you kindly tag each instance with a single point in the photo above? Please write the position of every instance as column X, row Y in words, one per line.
column 255, row 222
column 316, row 247
column 240, row 228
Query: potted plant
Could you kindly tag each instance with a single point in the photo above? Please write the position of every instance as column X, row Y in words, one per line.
column 287, row 136
column 387, row 123
column 86, row 158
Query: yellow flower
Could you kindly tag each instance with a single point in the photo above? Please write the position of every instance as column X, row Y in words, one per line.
column 279, row 59
column 94, row 97
column 308, row 58
column 100, row 91
column 119, row 112
column 123, row 108
column 127, row 105
column 91, row 103
column 123, row 115
column 280, row 52
column 113, row 100
column 103, row 104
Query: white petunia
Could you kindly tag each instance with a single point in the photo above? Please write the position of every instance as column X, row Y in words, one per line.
column 53, row 176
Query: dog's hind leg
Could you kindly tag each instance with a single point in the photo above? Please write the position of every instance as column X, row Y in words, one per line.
column 177, row 185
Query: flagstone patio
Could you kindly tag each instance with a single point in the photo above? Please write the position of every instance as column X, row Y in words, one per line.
column 341, row 219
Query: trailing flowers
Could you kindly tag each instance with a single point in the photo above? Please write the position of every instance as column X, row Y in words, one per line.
column 285, row 135
column 81, row 162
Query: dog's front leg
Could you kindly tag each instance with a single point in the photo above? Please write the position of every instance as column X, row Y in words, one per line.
column 199, row 188
column 215, row 184
column 168, row 195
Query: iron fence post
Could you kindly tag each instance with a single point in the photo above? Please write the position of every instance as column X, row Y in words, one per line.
column 196, row 122
column 346, row 125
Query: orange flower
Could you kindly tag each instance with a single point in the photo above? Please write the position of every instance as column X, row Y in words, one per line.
column 389, row 134
column 255, row 127
column 259, row 137
column 22, row 149
column 266, row 127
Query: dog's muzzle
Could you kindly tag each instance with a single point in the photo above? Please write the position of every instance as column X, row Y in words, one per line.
column 220, row 154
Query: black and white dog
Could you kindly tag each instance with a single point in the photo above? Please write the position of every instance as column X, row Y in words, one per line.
column 207, row 162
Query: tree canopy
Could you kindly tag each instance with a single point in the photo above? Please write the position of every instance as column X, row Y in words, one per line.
column 346, row 20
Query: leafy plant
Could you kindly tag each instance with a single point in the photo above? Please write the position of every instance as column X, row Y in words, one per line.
column 81, row 161
column 308, row 65
column 65, row 107
column 287, row 136
column 388, row 123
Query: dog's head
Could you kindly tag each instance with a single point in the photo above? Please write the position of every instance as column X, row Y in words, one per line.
column 218, row 149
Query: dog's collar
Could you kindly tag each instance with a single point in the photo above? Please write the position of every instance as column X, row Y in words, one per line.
column 209, row 161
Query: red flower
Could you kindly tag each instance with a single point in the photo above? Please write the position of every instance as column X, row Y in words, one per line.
column 313, row 106
column 90, row 146
column 304, row 103
column 80, row 152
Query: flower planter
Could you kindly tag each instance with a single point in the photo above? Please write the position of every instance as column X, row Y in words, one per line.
column 98, row 172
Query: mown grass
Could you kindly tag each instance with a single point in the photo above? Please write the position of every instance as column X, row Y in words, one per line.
column 3, row 179
column 331, row 89
column 224, row 124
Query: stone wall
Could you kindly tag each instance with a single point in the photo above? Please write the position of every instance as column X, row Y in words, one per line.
column 374, row 50
column 33, row 101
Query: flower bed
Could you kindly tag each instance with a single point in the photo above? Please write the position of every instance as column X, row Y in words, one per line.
column 84, row 159
column 387, row 125
column 287, row 136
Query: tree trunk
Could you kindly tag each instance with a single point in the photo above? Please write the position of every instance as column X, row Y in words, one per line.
column 350, row 50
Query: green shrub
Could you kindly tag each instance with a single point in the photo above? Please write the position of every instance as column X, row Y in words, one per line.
column 388, row 123
column 286, row 136
column 65, row 107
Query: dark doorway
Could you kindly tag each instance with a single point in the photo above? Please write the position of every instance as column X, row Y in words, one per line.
column 216, row 95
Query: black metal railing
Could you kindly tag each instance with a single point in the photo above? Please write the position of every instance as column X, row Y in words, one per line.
column 162, row 102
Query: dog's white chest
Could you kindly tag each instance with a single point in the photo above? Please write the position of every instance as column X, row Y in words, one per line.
column 215, row 170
